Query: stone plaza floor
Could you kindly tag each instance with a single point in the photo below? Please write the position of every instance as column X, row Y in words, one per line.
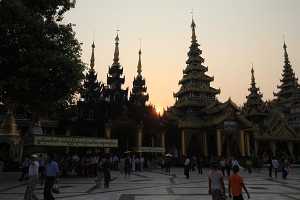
column 154, row 185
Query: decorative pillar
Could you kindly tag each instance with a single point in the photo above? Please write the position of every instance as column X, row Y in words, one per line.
column 247, row 137
column 273, row 148
column 107, row 135
column 291, row 148
column 219, row 142
column 183, row 147
column 205, row 144
column 152, row 141
column 68, row 133
column 256, row 146
column 53, row 132
column 242, row 143
column 163, row 137
column 140, row 136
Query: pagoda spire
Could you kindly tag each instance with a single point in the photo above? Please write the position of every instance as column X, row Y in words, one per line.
column 139, row 95
column 289, row 82
column 195, row 92
column 91, row 88
column 254, row 106
column 92, row 64
column 139, row 66
column 252, row 78
column 286, row 56
column 115, row 78
column 116, row 54
column 193, row 25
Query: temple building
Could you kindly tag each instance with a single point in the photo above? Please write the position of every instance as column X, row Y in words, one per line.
column 139, row 95
column 205, row 126
column 115, row 79
column 106, row 119
column 276, row 123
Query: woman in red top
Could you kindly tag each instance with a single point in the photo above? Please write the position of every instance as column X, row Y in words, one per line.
column 236, row 184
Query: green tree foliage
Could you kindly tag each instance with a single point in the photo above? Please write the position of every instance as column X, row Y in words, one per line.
column 40, row 65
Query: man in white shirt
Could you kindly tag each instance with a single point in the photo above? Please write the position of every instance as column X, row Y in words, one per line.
column 275, row 165
column 187, row 163
column 142, row 161
column 33, row 175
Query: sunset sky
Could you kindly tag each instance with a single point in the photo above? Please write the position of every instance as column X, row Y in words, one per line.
column 232, row 34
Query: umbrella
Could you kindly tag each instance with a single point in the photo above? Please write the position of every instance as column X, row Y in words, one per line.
column 169, row 155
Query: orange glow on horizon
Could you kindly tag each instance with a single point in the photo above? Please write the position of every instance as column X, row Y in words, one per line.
column 159, row 109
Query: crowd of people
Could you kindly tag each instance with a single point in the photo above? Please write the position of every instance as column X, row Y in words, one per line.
column 45, row 169
column 33, row 170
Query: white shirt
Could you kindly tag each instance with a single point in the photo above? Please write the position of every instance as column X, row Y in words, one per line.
column 33, row 169
column 275, row 163
column 235, row 163
column 187, row 162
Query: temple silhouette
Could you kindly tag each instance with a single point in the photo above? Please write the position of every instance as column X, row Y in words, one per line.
column 107, row 119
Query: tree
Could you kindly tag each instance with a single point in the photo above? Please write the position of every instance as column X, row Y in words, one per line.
column 40, row 65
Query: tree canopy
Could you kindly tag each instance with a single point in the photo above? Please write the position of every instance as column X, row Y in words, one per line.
column 40, row 65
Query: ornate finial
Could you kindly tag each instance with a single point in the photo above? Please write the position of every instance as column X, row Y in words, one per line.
column 116, row 54
column 252, row 75
column 286, row 56
column 284, row 45
column 139, row 66
column 192, row 13
column 93, row 56
column 117, row 37
column 193, row 25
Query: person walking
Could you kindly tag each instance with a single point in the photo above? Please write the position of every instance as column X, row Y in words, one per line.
column 216, row 186
column 100, row 173
column 122, row 165
column 33, row 177
column 168, row 161
column 228, row 166
column 275, row 165
column 236, row 184
column 270, row 166
column 52, row 172
column 24, row 168
column 142, row 161
column 285, row 168
column 187, row 166
column 235, row 162
column 133, row 164
column 200, row 165
column 41, row 169
column 106, row 166
column 223, row 166
column 249, row 165
column 127, row 166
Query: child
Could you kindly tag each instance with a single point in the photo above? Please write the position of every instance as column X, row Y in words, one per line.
column 236, row 184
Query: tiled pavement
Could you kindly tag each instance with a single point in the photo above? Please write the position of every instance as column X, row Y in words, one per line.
column 157, row 186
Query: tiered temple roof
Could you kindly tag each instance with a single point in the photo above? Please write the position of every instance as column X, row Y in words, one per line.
column 115, row 78
column 254, row 105
column 289, row 82
column 195, row 91
column 91, row 87
column 139, row 95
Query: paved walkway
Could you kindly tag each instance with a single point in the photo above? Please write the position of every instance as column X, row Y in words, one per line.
column 156, row 186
